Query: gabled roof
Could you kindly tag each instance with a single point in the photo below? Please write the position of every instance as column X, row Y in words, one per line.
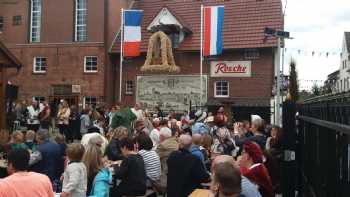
column 167, row 17
column 347, row 40
column 13, row 61
column 244, row 21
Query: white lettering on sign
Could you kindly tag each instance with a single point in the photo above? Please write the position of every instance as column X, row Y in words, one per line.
column 230, row 69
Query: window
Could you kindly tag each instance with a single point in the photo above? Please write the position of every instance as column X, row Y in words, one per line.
column 1, row 24
column 80, row 20
column 16, row 20
column 129, row 90
column 90, row 101
column 40, row 64
column 251, row 54
column 35, row 20
column 40, row 99
column 221, row 89
column 90, row 64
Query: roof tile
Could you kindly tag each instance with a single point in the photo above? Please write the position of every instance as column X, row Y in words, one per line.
column 244, row 21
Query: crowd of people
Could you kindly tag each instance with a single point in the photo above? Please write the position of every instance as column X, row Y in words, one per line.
column 125, row 151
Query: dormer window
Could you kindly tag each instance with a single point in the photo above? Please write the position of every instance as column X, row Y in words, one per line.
column 171, row 25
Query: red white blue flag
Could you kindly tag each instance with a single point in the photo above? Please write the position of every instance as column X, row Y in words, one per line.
column 132, row 32
column 213, row 18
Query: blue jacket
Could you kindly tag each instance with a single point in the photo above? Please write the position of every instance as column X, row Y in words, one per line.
column 200, row 128
column 101, row 185
column 197, row 152
column 51, row 158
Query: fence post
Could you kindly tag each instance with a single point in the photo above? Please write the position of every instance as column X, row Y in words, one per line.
column 289, row 170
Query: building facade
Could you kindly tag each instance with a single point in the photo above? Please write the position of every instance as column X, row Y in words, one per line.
column 63, row 46
column 70, row 50
column 245, row 46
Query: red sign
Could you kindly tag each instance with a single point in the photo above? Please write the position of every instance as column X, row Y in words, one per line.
column 231, row 69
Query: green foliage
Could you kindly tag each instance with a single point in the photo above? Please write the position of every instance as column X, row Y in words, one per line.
column 293, row 82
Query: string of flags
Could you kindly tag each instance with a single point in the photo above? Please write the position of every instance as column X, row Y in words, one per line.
column 312, row 53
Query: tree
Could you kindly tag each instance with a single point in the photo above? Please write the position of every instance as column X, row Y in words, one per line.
column 316, row 90
column 293, row 82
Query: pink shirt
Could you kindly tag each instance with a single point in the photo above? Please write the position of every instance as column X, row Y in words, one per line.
column 25, row 184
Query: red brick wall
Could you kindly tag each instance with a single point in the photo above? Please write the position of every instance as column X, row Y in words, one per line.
column 65, row 65
column 259, row 85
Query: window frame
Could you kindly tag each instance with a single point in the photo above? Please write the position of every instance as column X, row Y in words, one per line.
column 34, row 65
column 85, row 61
column 215, row 89
column 38, row 26
column 40, row 99
column 1, row 24
column 127, row 88
column 17, row 20
column 76, row 25
column 90, row 103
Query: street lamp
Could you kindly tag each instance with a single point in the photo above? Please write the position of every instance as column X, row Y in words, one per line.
column 270, row 32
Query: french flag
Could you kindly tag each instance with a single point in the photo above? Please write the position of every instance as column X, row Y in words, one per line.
column 213, row 18
column 132, row 33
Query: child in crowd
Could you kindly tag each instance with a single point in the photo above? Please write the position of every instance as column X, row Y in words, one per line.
column 75, row 175
column 30, row 137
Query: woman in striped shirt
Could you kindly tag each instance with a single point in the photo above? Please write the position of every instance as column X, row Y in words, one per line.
column 150, row 157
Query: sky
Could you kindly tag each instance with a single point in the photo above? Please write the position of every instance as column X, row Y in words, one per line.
column 316, row 26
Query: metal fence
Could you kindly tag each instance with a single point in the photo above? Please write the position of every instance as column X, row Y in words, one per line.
column 324, row 149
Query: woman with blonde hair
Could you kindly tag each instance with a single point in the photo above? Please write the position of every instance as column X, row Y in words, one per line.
column 63, row 120
column 99, row 177
column 113, row 150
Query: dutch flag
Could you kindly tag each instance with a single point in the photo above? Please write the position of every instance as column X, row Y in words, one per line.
column 132, row 32
column 213, row 18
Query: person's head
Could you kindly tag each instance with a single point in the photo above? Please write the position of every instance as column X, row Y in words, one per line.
column 96, row 140
column 46, row 103
column 30, row 136
column 75, row 152
column 65, row 103
column 226, row 180
column 85, row 111
column 137, row 106
column 126, row 146
column 35, row 103
column 197, row 139
column 163, row 123
column 42, row 136
column 246, row 125
column 164, row 134
column 185, row 141
column 251, row 154
column 139, row 125
column 120, row 133
column 144, row 142
column 258, row 126
column 276, row 132
column 221, row 109
column 156, row 122
column 93, row 160
column 60, row 139
column 207, row 141
column 18, row 160
column 17, row 137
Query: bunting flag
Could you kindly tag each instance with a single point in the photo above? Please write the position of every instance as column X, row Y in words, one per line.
column 213, row 18
column 132, row 33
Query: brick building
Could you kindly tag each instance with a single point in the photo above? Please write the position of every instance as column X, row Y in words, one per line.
column 244, row 43
column 63, row 46
column 70, row 49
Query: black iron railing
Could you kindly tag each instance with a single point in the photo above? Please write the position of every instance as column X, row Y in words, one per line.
column 324, row 136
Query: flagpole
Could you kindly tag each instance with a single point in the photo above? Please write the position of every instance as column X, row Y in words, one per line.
column 121, row 55
column 201, row 59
